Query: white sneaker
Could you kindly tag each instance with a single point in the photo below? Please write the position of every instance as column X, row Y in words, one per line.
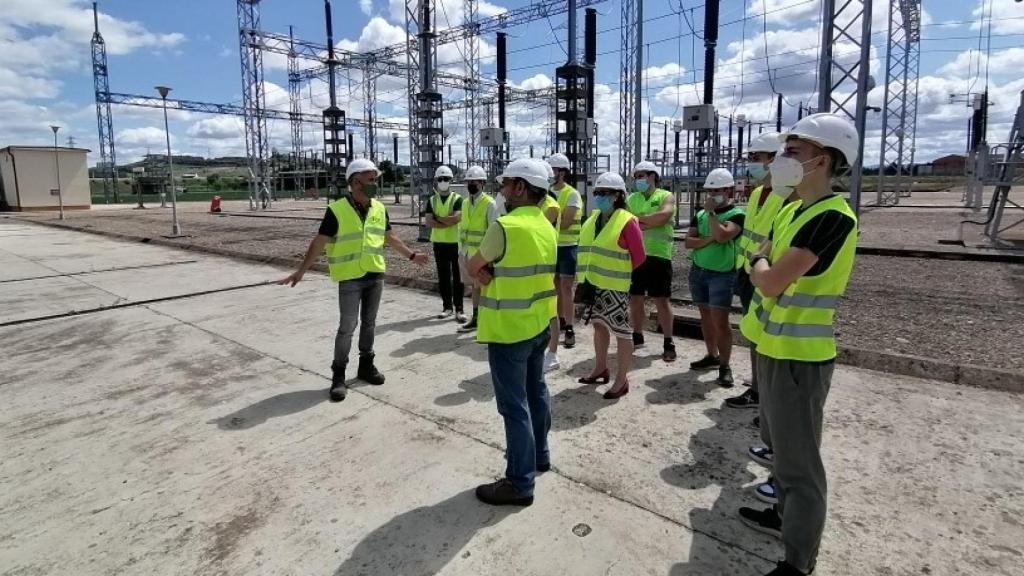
column 445, row 314
column 460, row 318
column 551, row 361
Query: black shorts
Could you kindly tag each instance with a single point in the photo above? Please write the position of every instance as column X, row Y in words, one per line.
column 744, row 289
column 653, row 278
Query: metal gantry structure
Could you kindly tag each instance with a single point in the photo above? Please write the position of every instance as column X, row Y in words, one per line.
column 629, row 83
column 254, row 100
column 899, row 113
column 104, row 119
column 844, row 84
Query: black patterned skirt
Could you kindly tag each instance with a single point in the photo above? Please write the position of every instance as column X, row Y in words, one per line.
column 611, row 308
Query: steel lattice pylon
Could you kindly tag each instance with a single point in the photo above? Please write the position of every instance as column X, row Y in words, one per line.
column 253, row 100
column 627, row 101
column 472, row 56
column 370, row 115
column 294, row 98
column 104, row 120
column 899, row 116
column 844, row 84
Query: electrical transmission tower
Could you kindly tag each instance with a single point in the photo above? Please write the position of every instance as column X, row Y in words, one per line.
column 294, row 96
column 472, row 57
column 899, row 117
column 844, row 84
column 426, row 140
column 104, row 120
column 254, row 101
column 629, row 85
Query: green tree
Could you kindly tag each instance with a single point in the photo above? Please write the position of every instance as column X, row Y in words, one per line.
column 212, row 180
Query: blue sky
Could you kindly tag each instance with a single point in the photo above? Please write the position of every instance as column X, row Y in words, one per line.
column 191, row 45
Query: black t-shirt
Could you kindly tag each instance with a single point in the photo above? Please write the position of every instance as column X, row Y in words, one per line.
column 456, row 207
column 738, row 219
column 329, row 225
column 824, row 235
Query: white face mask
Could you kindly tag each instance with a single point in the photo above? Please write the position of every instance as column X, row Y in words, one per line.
column 719, row 199
column 443, row 186
column 787, row 172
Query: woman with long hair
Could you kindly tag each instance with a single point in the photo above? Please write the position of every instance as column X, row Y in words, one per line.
column 611, row 247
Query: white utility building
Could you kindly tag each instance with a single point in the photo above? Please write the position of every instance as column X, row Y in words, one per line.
column 29, row 178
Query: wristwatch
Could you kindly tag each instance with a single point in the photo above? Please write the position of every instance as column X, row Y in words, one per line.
column 412, row 255
column 756, row 259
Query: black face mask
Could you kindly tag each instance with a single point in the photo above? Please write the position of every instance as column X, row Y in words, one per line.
column 473, row 188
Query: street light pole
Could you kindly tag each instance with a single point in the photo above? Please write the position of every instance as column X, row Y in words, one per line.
column 56, row 162
column 175, row 227
column 394, row 167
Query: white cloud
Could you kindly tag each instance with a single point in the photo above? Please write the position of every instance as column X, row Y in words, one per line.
column 1007, row 16
column 535, row 82
column 145, row 136
column 663, row 75
column 971, row 62
column 366, row 6
column 23, row 87
column 217, row 128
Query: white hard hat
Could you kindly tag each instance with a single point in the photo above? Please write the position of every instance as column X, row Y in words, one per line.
column 550, row 171
column 827, row 130
column 719, row 178
column 558, row 160
column 533, row 171
column 647, row 166
column 475, row 173
column 610, row 180
column 765, row 142
column 442, row 172
column 360, row 165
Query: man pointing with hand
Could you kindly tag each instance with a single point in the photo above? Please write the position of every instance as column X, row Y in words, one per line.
column 352, row 236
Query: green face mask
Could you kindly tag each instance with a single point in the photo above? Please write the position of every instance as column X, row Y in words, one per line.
column 370, row 190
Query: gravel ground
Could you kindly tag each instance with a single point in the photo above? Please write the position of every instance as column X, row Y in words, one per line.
column 958, row 311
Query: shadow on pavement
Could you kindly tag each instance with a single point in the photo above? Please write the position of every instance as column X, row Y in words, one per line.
column 408, row 325
column 423, row 540
column 577, row 407
column 463, row 345
column 720, row 541
column 681, row 388
column 273, row 407
column 478, row 389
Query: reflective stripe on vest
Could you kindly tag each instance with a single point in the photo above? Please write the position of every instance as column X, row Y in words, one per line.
column 474, row 223
column 519, row 302
column 443, row 207
column 757, row 228
column 571, row 235
column 359, row 250
column 658, row 241
column 800, row 326
column 602, row 262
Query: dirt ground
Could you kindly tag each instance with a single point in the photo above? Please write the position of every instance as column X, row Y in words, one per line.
column 957, row 311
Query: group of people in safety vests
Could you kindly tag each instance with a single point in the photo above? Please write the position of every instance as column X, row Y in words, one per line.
column 534, row 257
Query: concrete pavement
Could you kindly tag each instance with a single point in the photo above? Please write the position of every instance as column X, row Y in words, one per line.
column 157, row 432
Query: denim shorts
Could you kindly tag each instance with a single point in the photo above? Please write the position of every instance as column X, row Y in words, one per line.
column 710, row 288
column 566, row 261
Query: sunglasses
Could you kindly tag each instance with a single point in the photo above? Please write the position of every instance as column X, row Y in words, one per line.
column 443, row 179
column 606, row 192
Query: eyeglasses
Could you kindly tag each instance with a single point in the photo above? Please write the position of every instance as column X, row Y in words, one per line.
column 606, row 192
column 443, row 179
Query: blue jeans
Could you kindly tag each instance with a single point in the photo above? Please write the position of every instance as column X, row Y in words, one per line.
column 710, row 288
column 517, row 371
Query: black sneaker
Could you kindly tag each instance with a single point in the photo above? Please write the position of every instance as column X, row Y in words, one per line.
column 756, row 423
column 541, row 468
column 468, row 326
column 338, row 389
column 562, row 324
column 502, row 493
column 669, row 355
column 784, row 568
column 706, row 363
column 638, row 339
column 766, row 521
column 725, row 377
column 748, row 399
column 368, row 372
column 570, row 337
column 763, row 455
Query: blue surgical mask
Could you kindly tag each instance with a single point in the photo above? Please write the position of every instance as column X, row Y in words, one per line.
column 603, row 203
column 641, row 185
column 757, row 170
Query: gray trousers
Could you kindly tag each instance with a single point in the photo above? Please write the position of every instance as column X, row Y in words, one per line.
column 792, row 402
column 358, row 301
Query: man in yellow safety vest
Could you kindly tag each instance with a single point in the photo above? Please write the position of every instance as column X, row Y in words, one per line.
column 516, row 266
column 799, row 274
column 352, row 235
column 570, row 208
column 443, row 214
column 479, row 211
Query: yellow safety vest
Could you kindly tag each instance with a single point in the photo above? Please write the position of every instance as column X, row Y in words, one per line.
column 757, row 225
column 358, row 249
column 571, row 235
column 519, row 302
column 443, row 207
column 602, row 261
column 800, row 326
column 657, row 241
column 548, row 203
column 474, row 222
column 752, row 323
